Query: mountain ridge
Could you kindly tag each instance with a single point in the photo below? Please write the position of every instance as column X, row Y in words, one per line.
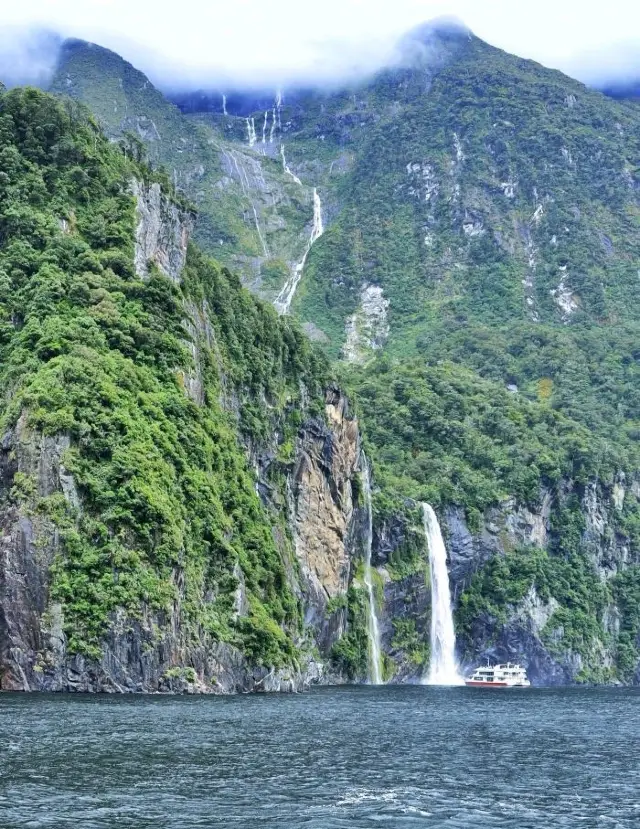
column 475, row 286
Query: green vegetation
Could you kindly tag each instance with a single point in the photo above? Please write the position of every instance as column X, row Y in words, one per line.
column 225, row 183
column 442, row 434
column 626, row 592
column 88, row 350
column 504, row 230
column 426, row 213
column 350, row 654
column 407, row 639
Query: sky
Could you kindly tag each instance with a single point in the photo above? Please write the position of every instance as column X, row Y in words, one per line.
column 243, row 42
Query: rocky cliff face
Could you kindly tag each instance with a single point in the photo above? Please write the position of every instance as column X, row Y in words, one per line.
column 154, row 652
column 322, row 514
column 162, row 231
column 533, row 628
column 308, row 494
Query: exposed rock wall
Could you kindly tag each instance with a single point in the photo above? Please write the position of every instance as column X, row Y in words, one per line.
column 322, row 511
column 154, row 652
column 162, row 231
column 530, row 634
column 367, row 330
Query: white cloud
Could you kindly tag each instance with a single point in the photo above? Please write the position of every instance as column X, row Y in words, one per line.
column 274, row 40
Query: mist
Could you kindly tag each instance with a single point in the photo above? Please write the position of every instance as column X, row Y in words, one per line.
column 215, row 44
column 27, row 55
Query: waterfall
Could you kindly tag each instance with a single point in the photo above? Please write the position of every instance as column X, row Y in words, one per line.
column 443, row 669
column 273, row 125
column 286, row 169
column 285, row 297
column 373, row 627
column 264, row 127
column 251, row 131
column 224, row 105
column 246, row 191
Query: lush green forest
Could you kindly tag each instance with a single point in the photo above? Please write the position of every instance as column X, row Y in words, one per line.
column 90, row 351
column 205, row 163
column 494, row 205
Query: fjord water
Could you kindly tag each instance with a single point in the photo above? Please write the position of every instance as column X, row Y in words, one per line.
column 443, row 669
column 396, row 757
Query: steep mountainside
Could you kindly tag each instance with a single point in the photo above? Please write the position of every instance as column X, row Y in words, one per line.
column 176, row 476
column 252, row 215
column 462, row 235
column 485, row 233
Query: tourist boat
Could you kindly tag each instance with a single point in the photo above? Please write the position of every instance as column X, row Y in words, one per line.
column 499, row 676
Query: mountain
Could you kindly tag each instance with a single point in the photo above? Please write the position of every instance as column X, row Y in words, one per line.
column 157, row 421
column 251, row 214
column 482, row 236
column 460, row 235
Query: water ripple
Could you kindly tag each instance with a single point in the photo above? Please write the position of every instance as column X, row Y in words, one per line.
column 347, row 758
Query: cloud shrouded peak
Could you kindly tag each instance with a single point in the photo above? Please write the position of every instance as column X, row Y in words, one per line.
column 249, row 43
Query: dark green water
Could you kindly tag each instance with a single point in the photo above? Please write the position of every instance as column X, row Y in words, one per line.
column 346, row 757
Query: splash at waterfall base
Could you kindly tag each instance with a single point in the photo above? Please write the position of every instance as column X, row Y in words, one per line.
column 443, row 668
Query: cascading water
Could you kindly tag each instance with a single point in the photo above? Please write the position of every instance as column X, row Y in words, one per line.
column 285, row 167
column 264, row 127
column 274, row 124
column 373, row 627
column 224, row 105
column 246, row 192
column 251, row 131
column 443, row 669
column 285, row 297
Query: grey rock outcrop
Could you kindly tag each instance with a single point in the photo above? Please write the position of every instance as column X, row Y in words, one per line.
column 162, row 231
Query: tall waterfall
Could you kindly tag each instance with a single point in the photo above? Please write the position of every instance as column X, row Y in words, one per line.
column 251, row 131
column 443, row 669
column 375, row 676
column 285, row 297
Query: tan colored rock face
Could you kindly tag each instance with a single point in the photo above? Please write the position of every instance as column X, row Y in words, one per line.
column 324, row 502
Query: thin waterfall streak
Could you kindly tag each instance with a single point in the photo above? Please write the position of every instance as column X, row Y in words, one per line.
column 264, row 127
column 251, row 131
column 286, row 169
column 373, row 627
column 246, row 191
column 285, row 297
column 443, row 668
column 224, row 105
column 273, row 125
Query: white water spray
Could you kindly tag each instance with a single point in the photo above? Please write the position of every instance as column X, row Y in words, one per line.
column 285, row 297
column 273, row 125
column 286, row 167
column 224, row 105
column 443, row 669
column 251, row 131
column 373, row 627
